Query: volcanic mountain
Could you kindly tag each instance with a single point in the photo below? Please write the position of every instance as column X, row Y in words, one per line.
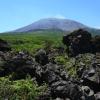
column 55, row 24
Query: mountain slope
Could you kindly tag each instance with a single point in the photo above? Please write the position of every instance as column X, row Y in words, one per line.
column 52, row 23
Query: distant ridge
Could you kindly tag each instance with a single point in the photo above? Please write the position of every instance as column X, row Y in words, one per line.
column 52, row 23
column 55, row 24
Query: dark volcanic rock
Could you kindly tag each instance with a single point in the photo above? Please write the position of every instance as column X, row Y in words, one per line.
column 90, row 72
column 88, row 94
column 50, row 73
column 4, row 57
column 92, row 79
column 80, row 42
column 4, row 46
column 41, row 57
column 96, row 43
column 85, row 85
column 19, row 64
column 64, row 89
column 97, row 96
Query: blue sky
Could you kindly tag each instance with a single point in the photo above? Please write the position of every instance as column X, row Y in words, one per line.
column 17, row 13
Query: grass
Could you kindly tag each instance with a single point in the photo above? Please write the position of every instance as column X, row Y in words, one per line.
column 26, row 89
column 20, row 89
column 33, row 40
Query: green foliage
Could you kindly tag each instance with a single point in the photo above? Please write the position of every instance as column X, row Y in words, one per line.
column 20, row 89
column 84, row 59
column 32, row 41
column 68, row 63
column 27, row 89
column 70, row 66
column 60, row 60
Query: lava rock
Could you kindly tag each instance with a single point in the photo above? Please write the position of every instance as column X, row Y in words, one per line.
column 64, row 89
column 91, row 77
column 50, row 73
column 78, row 42
column 19, row 66
column 4, row 46
column 97, row 96
column 41, row 57
column 88, row 93
column 96, row 43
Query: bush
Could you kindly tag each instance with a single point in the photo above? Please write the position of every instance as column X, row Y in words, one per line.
column 20, row 89
column 60, row 60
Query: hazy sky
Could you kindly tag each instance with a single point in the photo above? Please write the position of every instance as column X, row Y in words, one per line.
column 17, row 13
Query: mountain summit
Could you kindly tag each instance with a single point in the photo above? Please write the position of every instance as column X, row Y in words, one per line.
column 52, row 23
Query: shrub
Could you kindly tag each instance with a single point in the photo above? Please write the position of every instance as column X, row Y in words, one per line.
column 20, row 89
column 60, row 60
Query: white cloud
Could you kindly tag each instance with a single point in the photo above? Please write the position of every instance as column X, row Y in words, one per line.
column 55, row 16
column 60, row 16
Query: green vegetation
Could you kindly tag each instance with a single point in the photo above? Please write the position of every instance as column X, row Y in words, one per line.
column 20, row 89
column 33, row 40
column 69, row 64
column 44, row 39
column 26, row 89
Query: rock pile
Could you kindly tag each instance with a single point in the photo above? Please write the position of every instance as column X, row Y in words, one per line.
column 84, row 86
column 81, row 41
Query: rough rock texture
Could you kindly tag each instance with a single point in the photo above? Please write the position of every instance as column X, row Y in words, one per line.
column 85, row 85
column 4, row 46
column 59, row 82
column 41, row 57
column 19, row 64
column 66, row 89
column 96, row 43
column 91, row 76
column 80, row 42
column 97, row 96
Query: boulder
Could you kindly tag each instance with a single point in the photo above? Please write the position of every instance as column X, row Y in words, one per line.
column 96, row 43
column 50, row 73
column 4, row 56
column 88, row 93
column 97, row 96
column 65, row 89
column 81, row 41
column 4, row 46
column 91, row 76
column 41, row 57
column 19, row 65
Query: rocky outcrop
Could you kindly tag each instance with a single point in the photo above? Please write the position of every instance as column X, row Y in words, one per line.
column 96, row 43
column 63, row 87
column 4, row 46
column 41, row 57
column 81, row 41
column 19, row 64
column 85, row 85
column 91, row 76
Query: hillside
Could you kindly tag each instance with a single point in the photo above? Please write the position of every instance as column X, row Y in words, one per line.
column 32, row 41
column 52, row 23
